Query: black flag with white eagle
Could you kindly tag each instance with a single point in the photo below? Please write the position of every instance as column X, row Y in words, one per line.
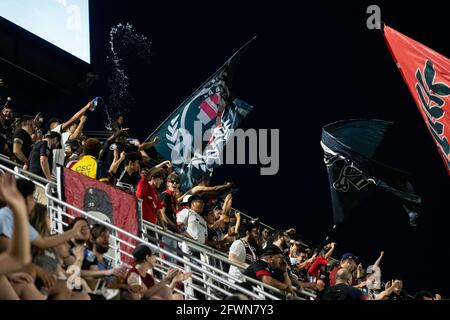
column 349, row 147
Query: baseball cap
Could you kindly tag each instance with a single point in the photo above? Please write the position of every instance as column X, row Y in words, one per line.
column 272, row 251
column 347, row 256
column 185, row 199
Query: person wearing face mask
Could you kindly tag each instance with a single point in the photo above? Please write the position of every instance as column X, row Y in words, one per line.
column 41, row 157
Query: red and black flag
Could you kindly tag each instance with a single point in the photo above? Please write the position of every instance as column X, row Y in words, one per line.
column 349, row 147
column 427, row 75
column 106, row 203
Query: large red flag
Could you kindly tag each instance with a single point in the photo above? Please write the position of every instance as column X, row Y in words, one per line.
column 427, row 74
column 104, row 202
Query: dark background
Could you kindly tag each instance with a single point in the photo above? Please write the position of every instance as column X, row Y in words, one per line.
column 312, row 64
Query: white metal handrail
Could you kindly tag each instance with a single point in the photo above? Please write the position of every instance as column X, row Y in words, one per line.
column 210, row 252
column 31, row 175
column 211, row 274
column 215, row 254
column 175, row 236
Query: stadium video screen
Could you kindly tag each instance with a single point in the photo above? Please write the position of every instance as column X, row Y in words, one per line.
column 64, row 23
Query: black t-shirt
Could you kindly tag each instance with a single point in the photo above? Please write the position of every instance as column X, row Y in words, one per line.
column 22, row 137
column 7, row 130
column 90, row 259
column 34, row 161
column 125, row 180
column 108, row 153
column 342, row 292
column 394, row 297
column 212, row 235
column 3, row 144
column 261, row 268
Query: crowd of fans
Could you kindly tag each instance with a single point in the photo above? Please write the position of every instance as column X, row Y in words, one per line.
column 34, row 264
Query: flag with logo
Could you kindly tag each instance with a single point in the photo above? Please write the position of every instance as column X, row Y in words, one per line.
column 349, row 147
column 427, row 75
column 208, row 114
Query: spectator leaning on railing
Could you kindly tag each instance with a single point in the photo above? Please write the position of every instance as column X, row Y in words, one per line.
column 270, row 270
column 41, row 157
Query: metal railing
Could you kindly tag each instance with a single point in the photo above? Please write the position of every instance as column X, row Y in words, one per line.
column 209, row 274
column 210, row 280
column 218, row 257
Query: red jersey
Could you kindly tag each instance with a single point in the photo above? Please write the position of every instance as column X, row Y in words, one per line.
column 150, row 200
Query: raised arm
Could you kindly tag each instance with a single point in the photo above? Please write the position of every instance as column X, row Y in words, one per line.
column 198, row 189
column 76, row 116
column 19, row 251
column 76, row 134
column 148, row 145
column 226, row 207
column 238, row 222
column 53, row 241
column 330, row 252
column 377, row 263
column 117, row 161
column 390, row 286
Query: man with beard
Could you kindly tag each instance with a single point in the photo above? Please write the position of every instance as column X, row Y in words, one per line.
column 282, row 240
column 99, row 267
column 270, row 270
column 242, row 251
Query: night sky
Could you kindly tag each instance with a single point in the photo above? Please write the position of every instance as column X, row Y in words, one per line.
column 313, row 63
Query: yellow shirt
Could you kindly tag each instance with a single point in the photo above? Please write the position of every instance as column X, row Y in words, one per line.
column 87, row 166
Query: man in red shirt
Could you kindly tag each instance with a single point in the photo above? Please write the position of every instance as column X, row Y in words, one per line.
column 316, row 269
column 348, row 261
column 147, row 190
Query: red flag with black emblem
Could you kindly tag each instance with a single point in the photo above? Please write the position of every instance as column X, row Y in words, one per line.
column 106, row 203
column 427, row 75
